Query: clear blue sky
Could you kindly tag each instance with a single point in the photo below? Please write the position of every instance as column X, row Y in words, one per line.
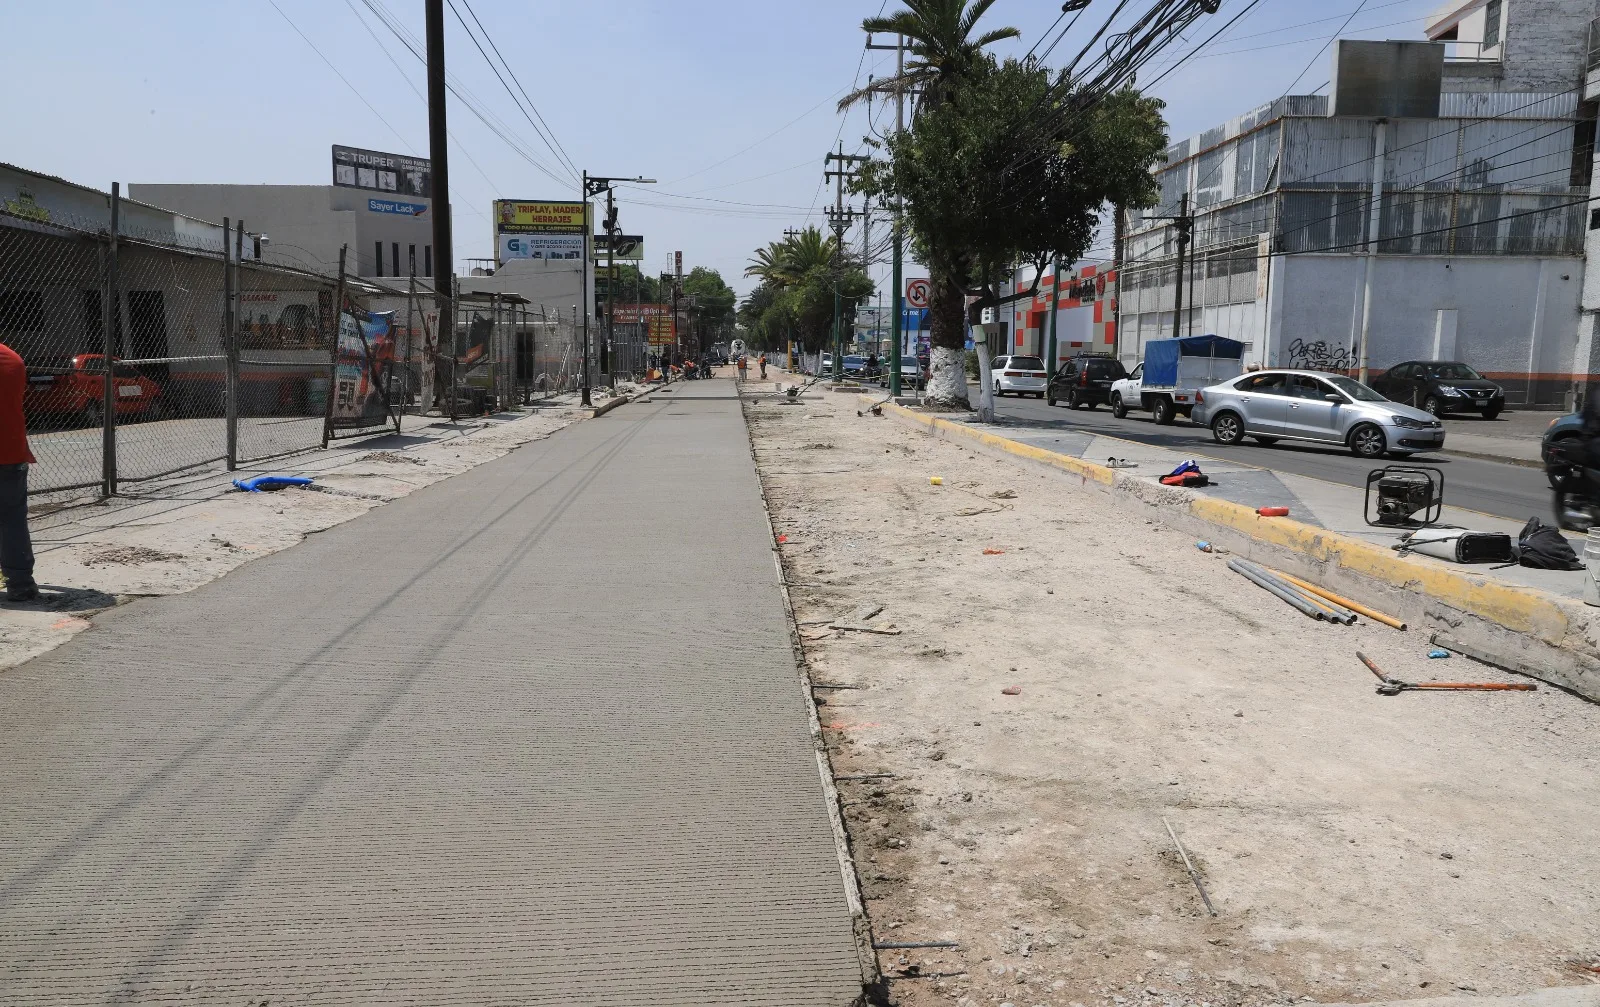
column 729, row 104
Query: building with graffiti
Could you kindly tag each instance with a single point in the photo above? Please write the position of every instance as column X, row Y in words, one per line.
column 1434, row 205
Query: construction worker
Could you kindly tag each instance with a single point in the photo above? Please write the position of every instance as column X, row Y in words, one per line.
column 742, row 367
column 16, row 547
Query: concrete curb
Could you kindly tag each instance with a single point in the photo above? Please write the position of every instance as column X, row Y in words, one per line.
column 610, row 404
column 861, row 923
column 1521, row 629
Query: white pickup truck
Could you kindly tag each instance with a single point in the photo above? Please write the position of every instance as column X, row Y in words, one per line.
column 1172, row 372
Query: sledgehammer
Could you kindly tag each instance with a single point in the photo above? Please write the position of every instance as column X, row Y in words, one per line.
column 1393, row 686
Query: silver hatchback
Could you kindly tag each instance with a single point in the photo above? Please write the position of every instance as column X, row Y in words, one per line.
column 1318, row 407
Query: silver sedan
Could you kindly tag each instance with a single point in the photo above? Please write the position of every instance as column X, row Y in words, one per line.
column 1317, row 407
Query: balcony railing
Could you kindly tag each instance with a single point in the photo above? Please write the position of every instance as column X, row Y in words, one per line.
column 1472, row 52
column 1594, row 44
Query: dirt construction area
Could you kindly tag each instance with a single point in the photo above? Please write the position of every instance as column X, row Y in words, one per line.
column 1052, row 674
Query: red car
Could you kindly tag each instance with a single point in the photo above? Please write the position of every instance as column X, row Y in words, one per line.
column 76, row 387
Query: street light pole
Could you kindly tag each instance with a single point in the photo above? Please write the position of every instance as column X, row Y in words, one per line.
column 592, row 187
column 583, row 295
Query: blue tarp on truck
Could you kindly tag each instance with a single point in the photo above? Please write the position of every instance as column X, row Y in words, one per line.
column 1161, row 356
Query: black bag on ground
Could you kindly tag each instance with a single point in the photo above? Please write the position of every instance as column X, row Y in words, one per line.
column 1545, row 548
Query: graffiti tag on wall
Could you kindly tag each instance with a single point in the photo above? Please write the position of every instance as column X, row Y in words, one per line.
column 1319, row 356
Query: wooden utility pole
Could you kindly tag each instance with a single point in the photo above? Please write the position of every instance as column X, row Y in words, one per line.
column 839, row 217
column 439, row 171
column 895, row 350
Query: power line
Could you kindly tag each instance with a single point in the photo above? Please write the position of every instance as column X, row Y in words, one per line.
column 546, row 133
column 744, row 150
column 414, row 90
column 459, row 89
column 1324, row 48
column 1298, row 41
column 341, row 76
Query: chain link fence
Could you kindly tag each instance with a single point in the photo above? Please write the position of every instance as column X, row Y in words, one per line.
column 508, row 352
column 214, row 358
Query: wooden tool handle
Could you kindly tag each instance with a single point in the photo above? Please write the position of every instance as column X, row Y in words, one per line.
column 1478, row 686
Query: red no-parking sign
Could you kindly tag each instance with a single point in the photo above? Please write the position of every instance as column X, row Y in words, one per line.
column 918, row 293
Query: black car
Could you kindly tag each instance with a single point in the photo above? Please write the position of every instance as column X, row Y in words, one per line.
column 1085, row 380
column 1441, row 387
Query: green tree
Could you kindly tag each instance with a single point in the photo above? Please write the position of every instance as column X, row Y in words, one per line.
column 795, row 299
column 712, row 314
column 1014, row 165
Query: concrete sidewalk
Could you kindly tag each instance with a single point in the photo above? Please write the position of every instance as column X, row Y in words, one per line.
column 529, row 735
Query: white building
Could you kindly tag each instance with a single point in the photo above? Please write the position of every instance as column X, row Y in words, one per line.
column 1446, row 182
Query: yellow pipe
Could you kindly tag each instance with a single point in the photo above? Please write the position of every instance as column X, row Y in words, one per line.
column 1356, row 607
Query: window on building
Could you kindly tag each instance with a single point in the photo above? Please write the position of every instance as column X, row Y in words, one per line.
column 1491, row 24
column 93, row 321
column 411, row 259
column 427, row 260
column 377, row 250
column 21, row 312
column 394, row 250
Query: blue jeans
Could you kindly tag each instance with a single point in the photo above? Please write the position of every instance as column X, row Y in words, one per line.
column 16, row 548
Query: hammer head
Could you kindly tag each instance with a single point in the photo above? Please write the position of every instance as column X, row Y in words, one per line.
column 1390, row 688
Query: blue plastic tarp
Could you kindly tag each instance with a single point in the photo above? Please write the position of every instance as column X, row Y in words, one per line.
column 1161, row 355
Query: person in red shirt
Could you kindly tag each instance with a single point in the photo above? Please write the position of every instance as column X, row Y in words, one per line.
column 16, row 547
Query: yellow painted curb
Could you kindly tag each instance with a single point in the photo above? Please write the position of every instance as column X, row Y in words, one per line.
column 1519, row 609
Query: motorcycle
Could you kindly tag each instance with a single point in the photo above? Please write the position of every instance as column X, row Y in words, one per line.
column 1577, row 486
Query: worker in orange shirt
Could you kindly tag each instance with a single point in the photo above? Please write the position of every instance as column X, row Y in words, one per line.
column 16, row 547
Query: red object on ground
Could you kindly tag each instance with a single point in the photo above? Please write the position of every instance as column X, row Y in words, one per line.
column 13, row 426
column 1273, row 511
column 1011, row 690
column 994, row 552
column 782, row 539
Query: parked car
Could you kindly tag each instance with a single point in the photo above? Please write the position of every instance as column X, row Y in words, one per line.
column 826, row 366
column 1085, row 380
column 75, row 387
column 1309, row 406
column 910, row 373
column 1015, row 375
column 1441, row 387
column 1173, row 373
column 1563, row 432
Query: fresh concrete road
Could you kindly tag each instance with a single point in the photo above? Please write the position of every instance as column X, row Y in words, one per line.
column 1497, row 488
column 532, row 735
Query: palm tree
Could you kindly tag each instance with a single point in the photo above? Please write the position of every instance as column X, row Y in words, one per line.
column 786, row 263
column 768, row 264
column 940, row 43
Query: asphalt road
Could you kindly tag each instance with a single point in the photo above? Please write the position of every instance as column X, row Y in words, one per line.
column 1504, row 490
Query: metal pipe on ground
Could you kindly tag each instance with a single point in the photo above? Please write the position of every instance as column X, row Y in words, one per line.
column 1335, row 612
column 1356, row 607
column 1297, row 600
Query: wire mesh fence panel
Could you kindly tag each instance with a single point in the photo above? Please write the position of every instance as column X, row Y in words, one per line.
column 169, row 347
column 285, row 332
column 52, row 295
column 557, row 355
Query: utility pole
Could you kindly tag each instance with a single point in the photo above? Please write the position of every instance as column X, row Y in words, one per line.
column 439, row 157
column 1118, row 251
column 1055, row 309
column 1184, row 222
column 898, row 323
column 1374, row 222
column 593, row 186
column 839, row 217
column 612, row 230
